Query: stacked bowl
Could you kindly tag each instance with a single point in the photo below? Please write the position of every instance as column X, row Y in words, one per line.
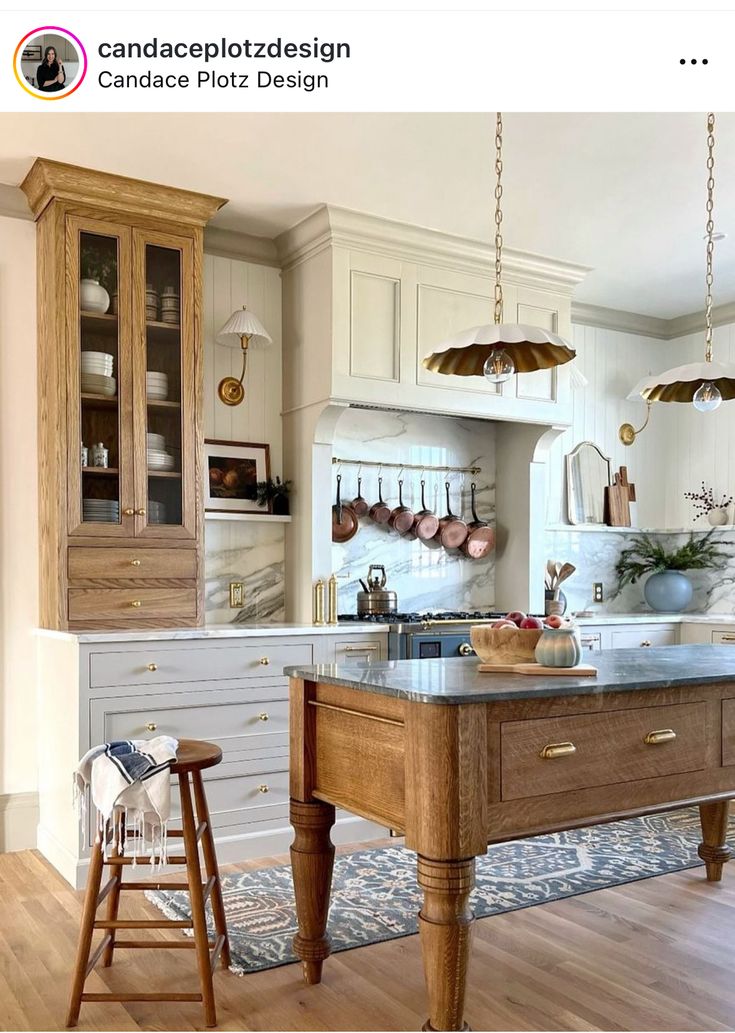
column 101, row 511
column 156, row 386
column 96, row 370
column 158, row 457
column 156, row 512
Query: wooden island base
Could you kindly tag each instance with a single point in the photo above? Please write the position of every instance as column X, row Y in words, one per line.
column 454, row 776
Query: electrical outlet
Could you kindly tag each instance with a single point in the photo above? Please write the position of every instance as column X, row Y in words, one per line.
column 597, row 593
column 237, row 595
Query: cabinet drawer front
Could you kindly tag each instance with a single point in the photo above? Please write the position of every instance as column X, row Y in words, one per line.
column 119, row 603
column 157, row 666
column 131, row 563
column 724, row 638
column 644, row 637
column 608, row 748
column 354, row 650
column 235, row 727
column 244, row 799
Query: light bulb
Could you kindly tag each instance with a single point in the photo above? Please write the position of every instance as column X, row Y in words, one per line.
column 499, row 367
column 707, row 398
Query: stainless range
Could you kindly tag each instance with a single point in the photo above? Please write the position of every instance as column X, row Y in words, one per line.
column 421, row 636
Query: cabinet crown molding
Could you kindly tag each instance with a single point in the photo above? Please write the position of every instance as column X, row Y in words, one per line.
column 48, row 180
column 331, row 226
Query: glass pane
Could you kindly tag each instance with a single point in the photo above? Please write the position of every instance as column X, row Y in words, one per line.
column 98, row 372
column 163, row 383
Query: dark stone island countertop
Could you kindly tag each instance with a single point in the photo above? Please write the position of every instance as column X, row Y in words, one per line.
column 457, row 680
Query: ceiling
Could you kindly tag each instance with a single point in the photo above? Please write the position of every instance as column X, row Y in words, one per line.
column 622, row 193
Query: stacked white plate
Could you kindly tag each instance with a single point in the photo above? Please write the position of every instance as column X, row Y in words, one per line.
column 97, row 378
column 97, row 362
column 156, row 512
column 104, row 511
column 160, row 460
column 156, row 385
column 96, row 384
column 156, row 441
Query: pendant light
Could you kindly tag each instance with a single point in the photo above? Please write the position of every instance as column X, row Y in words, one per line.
column 704, row 384
column 498, row 350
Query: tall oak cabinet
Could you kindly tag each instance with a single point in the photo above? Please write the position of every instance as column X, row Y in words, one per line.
column 119, row 365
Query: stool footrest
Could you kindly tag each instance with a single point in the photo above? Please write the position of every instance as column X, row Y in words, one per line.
column 159, row 944
column 139, row 923
column 141, row 861
column 154, row 886
column 123, row 998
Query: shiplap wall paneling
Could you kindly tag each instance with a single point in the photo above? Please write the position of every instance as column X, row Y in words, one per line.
column 229, row 284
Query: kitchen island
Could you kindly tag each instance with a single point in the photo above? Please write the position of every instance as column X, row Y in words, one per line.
column 455, row 759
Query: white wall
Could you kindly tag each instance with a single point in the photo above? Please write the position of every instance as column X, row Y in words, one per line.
column 18, row 505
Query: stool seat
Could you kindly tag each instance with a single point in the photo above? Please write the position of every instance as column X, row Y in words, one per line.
column 195, row 755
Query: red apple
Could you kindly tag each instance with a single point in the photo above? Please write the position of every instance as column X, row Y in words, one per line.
column 554, row 621
column 516, row 616
column 503, row 623
column 532, row 623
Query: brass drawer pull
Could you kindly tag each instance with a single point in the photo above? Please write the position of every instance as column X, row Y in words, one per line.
column 662, row 735
column 151, row 667
column 135, row 563
column 263, row 716
column 264, row 660
column 728, row 638
column 369, row 648
column 135, row 603
column 151, row 726
column 263, row 788
column 645, row 642
column 557, row 749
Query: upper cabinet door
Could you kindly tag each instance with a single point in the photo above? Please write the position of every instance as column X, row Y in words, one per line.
column 165, row 335
column 98, row 385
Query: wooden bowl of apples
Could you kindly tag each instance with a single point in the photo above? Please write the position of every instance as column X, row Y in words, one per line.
column 510, row 640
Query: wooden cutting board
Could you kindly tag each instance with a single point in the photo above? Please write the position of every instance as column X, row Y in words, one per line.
column 580, row 671
column 618, row 497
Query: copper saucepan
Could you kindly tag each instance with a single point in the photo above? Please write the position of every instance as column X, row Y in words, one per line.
column 480, row 539
column 379, row 512
column 344, row 521
column 359, row 504
column 452, row 530
column 401, row 518
column 425, row 522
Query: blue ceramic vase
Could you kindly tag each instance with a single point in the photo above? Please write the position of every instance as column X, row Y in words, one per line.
column 559, row 647
column 668, row 591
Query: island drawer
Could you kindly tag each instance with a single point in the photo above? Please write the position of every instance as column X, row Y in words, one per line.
column 728, row 732
column 608, row 748
column 158, row 666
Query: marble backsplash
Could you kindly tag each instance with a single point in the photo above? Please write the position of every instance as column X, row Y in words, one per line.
column 251, row 552
column 425, row 576
column 595, row 555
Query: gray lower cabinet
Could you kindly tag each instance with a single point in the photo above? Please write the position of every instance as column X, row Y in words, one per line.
column 638, row 635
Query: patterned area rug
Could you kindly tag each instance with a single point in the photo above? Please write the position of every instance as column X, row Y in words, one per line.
column 375, row 896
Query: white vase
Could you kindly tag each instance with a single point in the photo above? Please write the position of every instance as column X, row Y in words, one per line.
column 717, row 517
column 93, row 297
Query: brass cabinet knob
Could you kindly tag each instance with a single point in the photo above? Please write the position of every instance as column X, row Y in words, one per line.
column 135, row 603
column 557, row 749
column 660, row 735
column 263, row 788
column 140, row 512
column 135, row 563
column 645, row 642
column 151, row 667
column 264, row 660
column 263, row 716
column 129, row 512
column 466, row 649
column 151, row 726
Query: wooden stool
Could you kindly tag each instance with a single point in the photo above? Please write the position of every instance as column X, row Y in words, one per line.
column 192, row 757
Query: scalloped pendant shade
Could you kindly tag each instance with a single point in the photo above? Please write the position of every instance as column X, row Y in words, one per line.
column 529, row 347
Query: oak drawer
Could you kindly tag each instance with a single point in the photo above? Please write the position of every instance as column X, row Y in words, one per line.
column 131, row 563
column 159, row 666
column 105, row 603
column 609, row 749
column 235, row 727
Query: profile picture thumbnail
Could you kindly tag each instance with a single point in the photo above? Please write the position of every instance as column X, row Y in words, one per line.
column 50, row 62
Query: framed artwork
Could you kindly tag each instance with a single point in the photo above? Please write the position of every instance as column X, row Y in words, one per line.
column 32, row 53
column 232, row 470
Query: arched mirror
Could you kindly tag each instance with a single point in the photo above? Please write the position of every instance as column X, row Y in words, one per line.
column 588, row 474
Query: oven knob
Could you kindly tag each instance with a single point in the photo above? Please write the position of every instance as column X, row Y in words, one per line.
column 466, row 649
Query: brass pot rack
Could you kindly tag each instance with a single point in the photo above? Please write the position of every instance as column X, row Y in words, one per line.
column 426, row 467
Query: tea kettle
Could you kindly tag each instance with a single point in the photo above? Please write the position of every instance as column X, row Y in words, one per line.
column 375, row 598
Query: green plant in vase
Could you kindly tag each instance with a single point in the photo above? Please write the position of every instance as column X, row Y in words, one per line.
column 667, row 589
column 274, row 494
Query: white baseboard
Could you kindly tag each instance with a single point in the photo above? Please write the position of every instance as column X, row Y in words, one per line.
column 18, row 821
column 230, row 849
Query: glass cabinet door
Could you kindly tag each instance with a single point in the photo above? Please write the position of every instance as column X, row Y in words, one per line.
column 164, row 370
column 98, row 385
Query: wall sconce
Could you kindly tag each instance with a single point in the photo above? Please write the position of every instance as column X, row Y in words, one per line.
column 243, row 328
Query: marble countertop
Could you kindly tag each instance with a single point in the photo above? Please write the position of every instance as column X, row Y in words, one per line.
column 458, row 680
column 211, row 631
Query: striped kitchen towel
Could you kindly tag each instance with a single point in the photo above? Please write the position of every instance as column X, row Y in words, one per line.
column 130, row 784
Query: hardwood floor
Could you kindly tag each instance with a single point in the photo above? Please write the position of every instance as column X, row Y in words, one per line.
column 655, row 955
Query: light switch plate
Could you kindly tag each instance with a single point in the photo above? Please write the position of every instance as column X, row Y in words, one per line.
column 237, row 595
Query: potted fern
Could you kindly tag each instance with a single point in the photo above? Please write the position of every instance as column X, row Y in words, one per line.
column 667, row 589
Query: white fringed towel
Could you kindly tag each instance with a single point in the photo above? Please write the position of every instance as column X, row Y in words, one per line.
column 130, row 784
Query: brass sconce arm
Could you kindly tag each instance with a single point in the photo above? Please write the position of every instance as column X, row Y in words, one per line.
column 627, row 432
column 230, row 389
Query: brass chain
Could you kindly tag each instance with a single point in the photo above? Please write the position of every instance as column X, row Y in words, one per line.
column 710, row 227
column 498, row 217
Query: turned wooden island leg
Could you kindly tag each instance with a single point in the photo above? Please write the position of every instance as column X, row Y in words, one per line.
column 312, row 859
column 713, row 849
column 445, row 925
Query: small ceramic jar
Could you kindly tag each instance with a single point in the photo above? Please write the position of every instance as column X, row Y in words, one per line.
column 100, row 455
column 559, row 647
column 85, row 456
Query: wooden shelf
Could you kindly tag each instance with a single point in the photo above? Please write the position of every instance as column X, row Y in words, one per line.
column 265, row 518
column 163, row 333
column 154, row 404
column 100, row 322
column 101, row 471
column 99, row 401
